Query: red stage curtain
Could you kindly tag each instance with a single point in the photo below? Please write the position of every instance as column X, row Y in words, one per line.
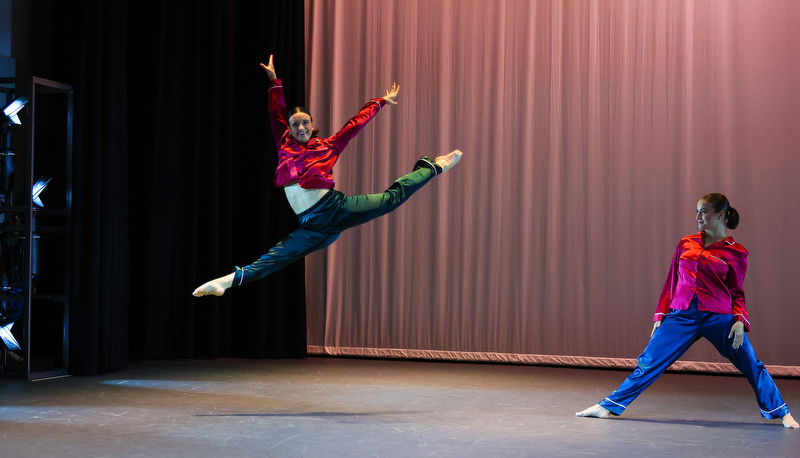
column 590, row 129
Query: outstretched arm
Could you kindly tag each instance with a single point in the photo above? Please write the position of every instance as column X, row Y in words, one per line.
column 269, row 68
column 279, row 121
column 357, row 122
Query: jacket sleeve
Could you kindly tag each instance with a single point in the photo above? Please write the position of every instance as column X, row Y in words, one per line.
column 662, row 308
column 277, row 112
column 356, row 123
column 735, row 282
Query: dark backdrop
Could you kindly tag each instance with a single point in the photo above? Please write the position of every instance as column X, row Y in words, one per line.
column 173, row 172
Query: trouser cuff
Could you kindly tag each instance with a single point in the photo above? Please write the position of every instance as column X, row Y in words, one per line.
column 425, row 161
column 780, row 412
column 238, row 276
column 614, row 408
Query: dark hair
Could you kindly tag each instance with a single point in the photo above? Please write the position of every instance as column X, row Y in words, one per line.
column 296, row 110
column 720, row 204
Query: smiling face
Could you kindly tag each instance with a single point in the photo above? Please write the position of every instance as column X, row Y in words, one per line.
column 301, row 127
column 707, row 218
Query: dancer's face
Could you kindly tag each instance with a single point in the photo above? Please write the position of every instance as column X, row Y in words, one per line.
column 301, row 126
column 707, row 218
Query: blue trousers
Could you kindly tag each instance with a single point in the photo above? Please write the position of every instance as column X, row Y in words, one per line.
column 679, row 330
column 322, row 224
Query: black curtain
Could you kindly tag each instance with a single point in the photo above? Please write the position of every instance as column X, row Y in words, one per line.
column 173, row 174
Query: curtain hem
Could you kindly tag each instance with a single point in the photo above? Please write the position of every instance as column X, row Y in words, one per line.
column 549, row 360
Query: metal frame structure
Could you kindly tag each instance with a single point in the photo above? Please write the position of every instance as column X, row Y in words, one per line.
column 35, row 88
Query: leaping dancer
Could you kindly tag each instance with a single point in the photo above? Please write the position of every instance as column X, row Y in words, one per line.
column 305, row 172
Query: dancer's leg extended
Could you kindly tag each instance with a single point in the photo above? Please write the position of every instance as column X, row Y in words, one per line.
column 360, row 209
column 717, row 331
column 675, row 335
column 322, row 223
column 295, row 246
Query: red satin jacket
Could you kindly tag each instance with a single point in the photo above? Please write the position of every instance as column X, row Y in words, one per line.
column 311, row 164
column 715, row 273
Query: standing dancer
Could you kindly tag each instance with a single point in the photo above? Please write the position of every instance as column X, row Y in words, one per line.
column 305, row 165
column 702, row 297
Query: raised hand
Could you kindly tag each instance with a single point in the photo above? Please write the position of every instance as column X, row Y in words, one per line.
column 269, row 68
column 391, row 94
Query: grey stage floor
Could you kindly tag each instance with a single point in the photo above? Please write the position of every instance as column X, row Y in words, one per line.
column 321, row 407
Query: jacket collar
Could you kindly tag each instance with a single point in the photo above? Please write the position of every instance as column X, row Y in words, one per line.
column 699, row 237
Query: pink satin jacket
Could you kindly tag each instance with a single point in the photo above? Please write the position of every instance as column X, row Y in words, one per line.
column 310, row 164
column 715, row 273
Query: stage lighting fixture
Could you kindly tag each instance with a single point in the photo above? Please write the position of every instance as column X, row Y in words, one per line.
column 8, row 338
column 38, row 187
column 13, row 108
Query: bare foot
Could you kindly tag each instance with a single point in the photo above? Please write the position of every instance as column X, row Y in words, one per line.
column 212, row 288
column 789, row 422
column 215, row 287
column 449, row 160
column 595, row 411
